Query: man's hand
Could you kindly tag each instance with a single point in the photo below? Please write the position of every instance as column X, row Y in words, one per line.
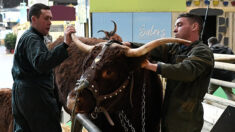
column 149, row 66
column 67, row 34
column 144, row 64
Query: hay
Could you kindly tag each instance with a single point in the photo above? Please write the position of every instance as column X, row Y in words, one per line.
column 66, row 128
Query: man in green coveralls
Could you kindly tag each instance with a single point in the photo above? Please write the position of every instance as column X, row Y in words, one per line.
column 188, row 70
column 35, row 108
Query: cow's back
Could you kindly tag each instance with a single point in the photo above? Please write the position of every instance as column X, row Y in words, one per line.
column 6, row 118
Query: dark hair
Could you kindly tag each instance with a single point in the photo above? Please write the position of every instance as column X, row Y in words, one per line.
column 193, row 18
column 213, row 40
column 35, row 10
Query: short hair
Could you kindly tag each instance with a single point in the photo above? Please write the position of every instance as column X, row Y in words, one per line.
column 193, row 18
column 35, row 10
column 212, row 40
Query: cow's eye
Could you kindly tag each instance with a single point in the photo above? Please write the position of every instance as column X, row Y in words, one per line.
column 107, row 74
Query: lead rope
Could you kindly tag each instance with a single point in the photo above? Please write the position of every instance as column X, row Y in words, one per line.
column 73, row 113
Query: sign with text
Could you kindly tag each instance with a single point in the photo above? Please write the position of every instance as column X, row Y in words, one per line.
column 135, row 27
column 150, row 26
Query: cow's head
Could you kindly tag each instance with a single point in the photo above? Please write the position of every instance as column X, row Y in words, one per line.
column 106, row 70
column 112, row 34
column 107, row 74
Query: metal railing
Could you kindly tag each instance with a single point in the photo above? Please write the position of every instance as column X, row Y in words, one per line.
column 80, row 121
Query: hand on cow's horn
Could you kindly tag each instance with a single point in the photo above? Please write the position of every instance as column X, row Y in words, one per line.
column 67, row 34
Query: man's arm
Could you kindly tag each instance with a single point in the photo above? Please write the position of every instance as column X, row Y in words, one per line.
column 199, row 62
column 43, row 60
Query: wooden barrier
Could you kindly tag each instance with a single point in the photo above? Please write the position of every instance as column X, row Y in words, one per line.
column 225, row 66
column 222, row 83
column 218, row 101
column 214, row 106
column 224, row 57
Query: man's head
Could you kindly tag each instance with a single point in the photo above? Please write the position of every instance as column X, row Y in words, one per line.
column 40, row 18
column 212, row 40
column 188, row 26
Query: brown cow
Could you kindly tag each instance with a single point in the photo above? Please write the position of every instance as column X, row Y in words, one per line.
column 6, row 118
column 129, row 97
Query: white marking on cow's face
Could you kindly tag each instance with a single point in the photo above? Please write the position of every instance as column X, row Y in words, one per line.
column 70, row 102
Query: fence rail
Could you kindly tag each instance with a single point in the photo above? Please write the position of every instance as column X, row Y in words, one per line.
column 214, row 106
column 225, row 65
column 224, row 57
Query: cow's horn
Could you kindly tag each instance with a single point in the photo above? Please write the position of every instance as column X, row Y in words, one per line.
column 114, row 30
column 83, row 47
column 101, row 31
column 153, row 44
column 105, row 32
